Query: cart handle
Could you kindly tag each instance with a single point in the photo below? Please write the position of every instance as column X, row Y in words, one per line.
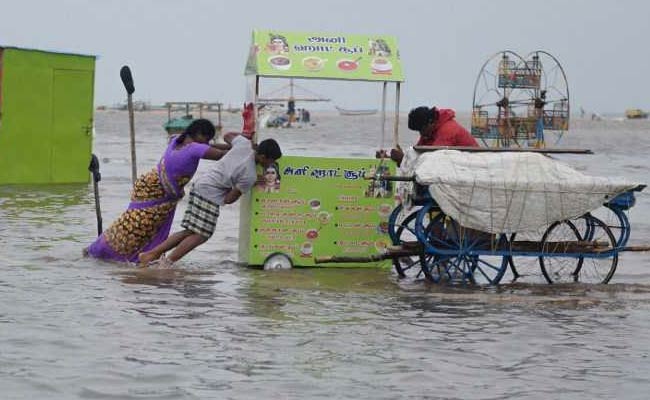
column 391, row 178
column 422, row 149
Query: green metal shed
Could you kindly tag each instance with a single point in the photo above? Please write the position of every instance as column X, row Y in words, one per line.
column 46, row 116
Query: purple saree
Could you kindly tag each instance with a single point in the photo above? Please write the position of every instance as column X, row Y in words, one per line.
column 148, row 219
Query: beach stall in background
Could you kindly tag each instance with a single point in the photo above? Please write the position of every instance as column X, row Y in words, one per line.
column 312, row 206
column 46, row 116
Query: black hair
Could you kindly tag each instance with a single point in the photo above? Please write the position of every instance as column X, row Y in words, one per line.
column 270, row 149
column 420, row 116
column 199, row 126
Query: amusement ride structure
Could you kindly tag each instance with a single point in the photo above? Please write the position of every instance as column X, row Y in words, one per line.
column 520, row 102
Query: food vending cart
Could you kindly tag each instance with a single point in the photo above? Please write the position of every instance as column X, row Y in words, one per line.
column 312, row 206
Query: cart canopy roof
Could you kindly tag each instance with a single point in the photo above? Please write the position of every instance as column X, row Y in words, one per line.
column 308, row 55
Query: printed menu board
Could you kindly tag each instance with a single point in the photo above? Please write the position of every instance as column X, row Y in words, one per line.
column 324, row 56
column 312, row 207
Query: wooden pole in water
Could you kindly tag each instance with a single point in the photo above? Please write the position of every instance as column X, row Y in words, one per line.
column 127, row 80
column 94, row 168
column 134, row 172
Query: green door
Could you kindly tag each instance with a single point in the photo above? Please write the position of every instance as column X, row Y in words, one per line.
column 72, row 122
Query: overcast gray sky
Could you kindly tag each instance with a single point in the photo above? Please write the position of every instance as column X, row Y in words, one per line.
column 196, row 49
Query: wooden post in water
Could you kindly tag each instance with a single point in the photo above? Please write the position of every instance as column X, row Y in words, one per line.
column 127, row 80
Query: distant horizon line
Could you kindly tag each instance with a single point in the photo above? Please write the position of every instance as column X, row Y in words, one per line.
column 389, row 110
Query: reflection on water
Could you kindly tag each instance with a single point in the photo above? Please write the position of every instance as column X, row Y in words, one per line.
column 72, row 327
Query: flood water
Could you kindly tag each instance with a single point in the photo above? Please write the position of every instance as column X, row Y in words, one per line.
column 72, row 327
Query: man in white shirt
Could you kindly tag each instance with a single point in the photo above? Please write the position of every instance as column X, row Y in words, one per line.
column 223, row 183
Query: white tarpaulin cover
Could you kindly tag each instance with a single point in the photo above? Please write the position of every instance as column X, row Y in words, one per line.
column 511, row 192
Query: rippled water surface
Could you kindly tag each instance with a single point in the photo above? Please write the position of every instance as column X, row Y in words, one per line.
column 72, row 327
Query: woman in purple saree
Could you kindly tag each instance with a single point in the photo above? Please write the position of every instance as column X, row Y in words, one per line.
column 150, row 214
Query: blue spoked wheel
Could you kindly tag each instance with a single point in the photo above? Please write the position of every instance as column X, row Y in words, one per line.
column 395, row 221
column 615, row 219
column 401, row 229
column 455, row 254
column 562, row 262
column 525, row 268
column 556, row 241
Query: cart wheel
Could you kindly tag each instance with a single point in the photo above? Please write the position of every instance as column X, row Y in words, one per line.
column 615, row 219
column 395, row 221
column 440, row 236
column 489, row 269
column 560, row 267
column 450, row 253
column 524, row 267
column 619, row 224
column 278, row 261
column 401, row 229
column 599, row 267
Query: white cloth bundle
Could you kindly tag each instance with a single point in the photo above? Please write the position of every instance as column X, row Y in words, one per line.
column 511, row 192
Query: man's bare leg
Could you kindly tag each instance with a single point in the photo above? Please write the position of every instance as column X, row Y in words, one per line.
column 188, row 244
column 172, row 241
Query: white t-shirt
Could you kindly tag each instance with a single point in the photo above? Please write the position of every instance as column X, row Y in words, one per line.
column 235, row 169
